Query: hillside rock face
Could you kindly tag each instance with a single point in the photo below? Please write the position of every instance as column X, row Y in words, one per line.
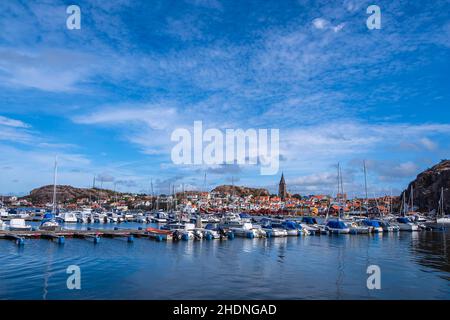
column 427, row 187
column 241, row 191
column 65, row 194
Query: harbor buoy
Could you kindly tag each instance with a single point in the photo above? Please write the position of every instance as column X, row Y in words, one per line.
column 139, row 228
column 209, row 236
column 116, row 228
column 230, row 235
column 96, row 239
column 61, row 240
column 159, row 238
column 20, row 241
column 130, row 238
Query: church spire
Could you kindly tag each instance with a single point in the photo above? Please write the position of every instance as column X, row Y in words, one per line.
column 282, row 190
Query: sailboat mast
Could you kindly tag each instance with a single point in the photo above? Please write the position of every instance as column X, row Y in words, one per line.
column 55, row 173
column 365, row 187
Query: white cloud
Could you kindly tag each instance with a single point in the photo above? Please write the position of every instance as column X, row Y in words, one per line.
column 13, row 122
column 428, row 144
column 320, row 23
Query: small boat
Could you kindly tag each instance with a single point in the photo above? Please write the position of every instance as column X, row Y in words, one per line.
column 3, row 212
column 387, row 227
column 406, row 225
column 48, row 223
column 112, row 217
column 291, row 228
column 140, row 218
column 441, row 218
column 159, row 217
column 246, row 230
column 337, row 227
column 100, row 218
column 373, row 225
column 67, row 217
column 210, row 234
column 356, row 228
column 18, row 224
column 277, row 232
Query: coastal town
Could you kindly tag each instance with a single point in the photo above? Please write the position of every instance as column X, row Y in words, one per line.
column 221, row 199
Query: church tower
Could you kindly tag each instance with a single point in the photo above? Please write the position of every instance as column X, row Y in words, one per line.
column 282, row 193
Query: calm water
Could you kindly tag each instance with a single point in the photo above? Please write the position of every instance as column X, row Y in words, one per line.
column 413, row 266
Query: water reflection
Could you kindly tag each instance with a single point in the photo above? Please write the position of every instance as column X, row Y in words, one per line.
column 314, row 267
column 431, row 249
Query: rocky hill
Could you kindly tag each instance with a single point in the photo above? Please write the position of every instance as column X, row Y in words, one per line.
column 241, row 191
column 66, row 194
column 427, row 187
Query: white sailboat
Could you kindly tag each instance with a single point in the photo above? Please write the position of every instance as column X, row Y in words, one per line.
column 404, row 223
column 441, row 218
column 338, row 226
column 49, row 223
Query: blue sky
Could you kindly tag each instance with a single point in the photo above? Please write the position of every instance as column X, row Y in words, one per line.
column 106, row 98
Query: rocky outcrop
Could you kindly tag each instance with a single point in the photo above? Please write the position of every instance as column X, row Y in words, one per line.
column 241, row 191
column 66, row 194
column 427, row 187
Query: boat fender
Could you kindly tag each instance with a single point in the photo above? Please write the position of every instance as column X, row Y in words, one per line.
column 97, row 239
column 185, row 237
column 61, row 240
column 209, row 236
column 130, row 238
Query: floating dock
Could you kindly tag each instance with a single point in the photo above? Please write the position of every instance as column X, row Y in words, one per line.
column 90, row 234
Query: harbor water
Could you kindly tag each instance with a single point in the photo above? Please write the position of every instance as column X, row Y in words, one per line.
column 413, row 266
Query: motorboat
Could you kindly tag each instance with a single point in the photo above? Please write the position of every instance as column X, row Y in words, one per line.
column 246, row 230
column 112, row 217
column 373, row 225
column 337, row 227
column 100, row 218
column 48, row 223
column 406, row 225
column 67, row 217
column 84, row 217
column 388, row 227
column 18, row 224
column 3, row 213
column 291, row 228
column 357, row 228
column 159, row 217
column 140, row 218
column 276, row 232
